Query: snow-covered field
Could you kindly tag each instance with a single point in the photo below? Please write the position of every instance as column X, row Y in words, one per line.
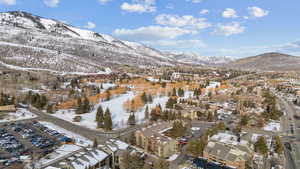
column 20, row 114
column 115, row 105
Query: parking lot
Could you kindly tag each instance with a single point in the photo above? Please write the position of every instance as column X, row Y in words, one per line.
column 27, row 139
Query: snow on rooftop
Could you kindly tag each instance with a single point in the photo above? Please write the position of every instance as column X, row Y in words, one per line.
column 173, row 157
column 228, row 138
column 51, row 167
column 272, row 126
column 99, row 155
column 59, row 153
column 121, row 145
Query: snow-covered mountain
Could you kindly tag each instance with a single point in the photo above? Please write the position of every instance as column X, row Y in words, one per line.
column 33, row 42
column 192, row 58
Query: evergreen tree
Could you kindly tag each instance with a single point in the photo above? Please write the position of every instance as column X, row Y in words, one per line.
column 197, row 92
column 155, row 115
column 131, row 119
column 107, row 120
column 150, row 99
column 79, row 106
column 144, row 97
column 178, row 130
column 261, row 146
column 171, row 102
column 210, row 116
column 207, row 83
column 86, row 105
column 278, row 145
column 147, row 113
column 43, row 101
column 196, row 147
column 100, row 117
column 132, row 140
column 180, row 92
column 95, row 143
column 50, row 109
column 209, row 94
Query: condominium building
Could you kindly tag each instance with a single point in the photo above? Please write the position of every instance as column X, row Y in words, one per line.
column 153, row 140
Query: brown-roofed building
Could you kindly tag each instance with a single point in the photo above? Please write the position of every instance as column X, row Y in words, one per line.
column 189, row 111
column 8, row 108
column 153, row 140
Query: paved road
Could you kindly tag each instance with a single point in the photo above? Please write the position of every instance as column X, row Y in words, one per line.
column 289, row 123
column 83, row 131
column 183, row 156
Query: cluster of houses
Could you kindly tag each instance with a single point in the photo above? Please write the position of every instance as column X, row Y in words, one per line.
column 226, row 150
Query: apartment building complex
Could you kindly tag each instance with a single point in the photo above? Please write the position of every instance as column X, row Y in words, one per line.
column 153, row 140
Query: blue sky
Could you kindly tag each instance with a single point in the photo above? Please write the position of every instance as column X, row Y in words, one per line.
column 207, row 27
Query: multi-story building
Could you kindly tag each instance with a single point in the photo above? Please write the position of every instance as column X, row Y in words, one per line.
column 153, row 140
column 188, row 111
column 228, row 150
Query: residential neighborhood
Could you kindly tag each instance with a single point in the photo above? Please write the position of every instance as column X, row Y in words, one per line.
column 149, row 84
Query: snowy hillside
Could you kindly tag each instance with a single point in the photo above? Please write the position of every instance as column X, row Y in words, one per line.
column 33, row 42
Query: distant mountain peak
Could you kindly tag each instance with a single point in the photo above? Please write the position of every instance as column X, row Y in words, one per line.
column 272, row 61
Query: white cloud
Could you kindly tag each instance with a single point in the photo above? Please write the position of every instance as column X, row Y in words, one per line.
column 257, row 12
column 229, row 29
column 150, row 33
column 186, row 21
column 90, row 25
column 51, row 3
column 204, row 11
column 139, row 6
column 104, row 1
column 8, row 2
column 178, row 44
column 229, row 13
column 194, row 1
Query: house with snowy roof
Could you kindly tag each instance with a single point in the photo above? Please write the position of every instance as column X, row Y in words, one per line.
column 90, row 158
column 229, row 150
column 115, row 149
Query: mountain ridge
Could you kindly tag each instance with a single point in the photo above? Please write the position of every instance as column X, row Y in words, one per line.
column 272, row 61
column 77, row 46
